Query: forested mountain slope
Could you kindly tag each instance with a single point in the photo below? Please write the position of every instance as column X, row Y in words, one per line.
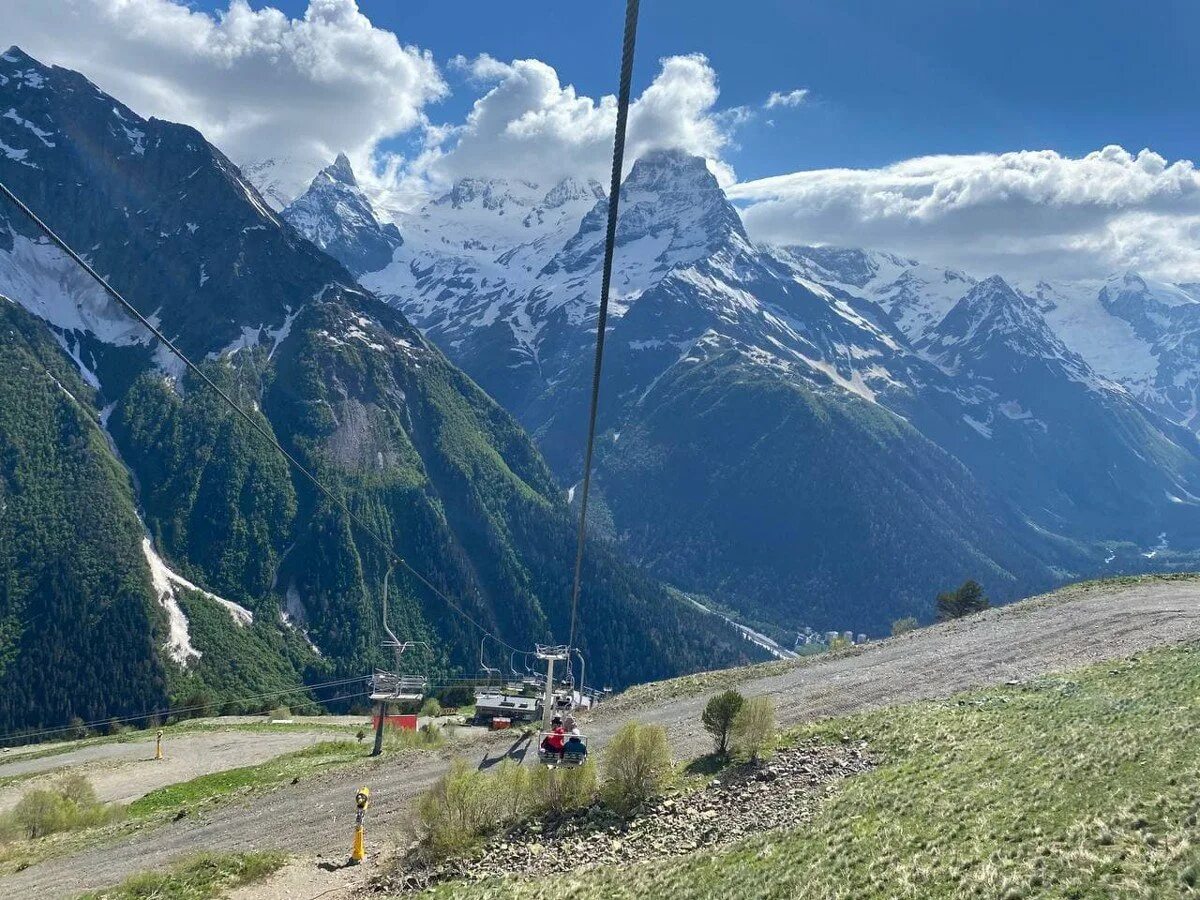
column 426, row 458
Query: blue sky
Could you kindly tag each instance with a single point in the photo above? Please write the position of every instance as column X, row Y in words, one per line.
column 890, row 79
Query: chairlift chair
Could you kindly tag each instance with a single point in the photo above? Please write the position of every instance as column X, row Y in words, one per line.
column 400, row 685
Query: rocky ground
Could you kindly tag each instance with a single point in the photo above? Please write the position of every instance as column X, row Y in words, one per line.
column 782, row 792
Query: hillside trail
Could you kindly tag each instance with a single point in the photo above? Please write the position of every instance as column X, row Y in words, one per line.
column 314, row 818
column 121, row 772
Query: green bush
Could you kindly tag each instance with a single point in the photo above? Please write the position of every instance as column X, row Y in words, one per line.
column 457, row 811
column 902, row 626
column 69, row 804
column 966, row 601
column 76, row 789
column 718, row 716
column 754, row 727
column 202, row 877
column 558, row 791
column 431, row 708
column 637, row 766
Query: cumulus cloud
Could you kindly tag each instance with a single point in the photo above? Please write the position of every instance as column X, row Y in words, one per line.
column 530, row 125
column 786, row 98
column 257, row 83
column 1024, row 214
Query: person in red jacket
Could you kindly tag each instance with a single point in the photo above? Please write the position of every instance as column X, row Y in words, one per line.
column 553, row 742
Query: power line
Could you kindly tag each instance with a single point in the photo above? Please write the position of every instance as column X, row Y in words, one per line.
column 164, row 713
column 263, row 432
column 610, row 241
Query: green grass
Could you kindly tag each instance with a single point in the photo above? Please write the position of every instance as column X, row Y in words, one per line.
column 216, row 786
column 1082, row 785
column 202, row 877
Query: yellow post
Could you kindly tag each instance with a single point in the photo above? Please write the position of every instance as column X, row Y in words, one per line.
column 158, row 745
column 361, row 800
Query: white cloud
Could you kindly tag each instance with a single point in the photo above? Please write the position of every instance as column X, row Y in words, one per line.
column 1027, row 213
column 529, row 125
column 786, row 98
column 255, row 82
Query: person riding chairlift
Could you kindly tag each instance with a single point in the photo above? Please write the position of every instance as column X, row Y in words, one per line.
column 553, row 742
column 575, row 746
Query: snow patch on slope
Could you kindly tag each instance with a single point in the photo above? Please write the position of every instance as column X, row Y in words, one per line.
column 166, row 584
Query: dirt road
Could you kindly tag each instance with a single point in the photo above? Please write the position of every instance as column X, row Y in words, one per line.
column 123, row 772
column 1075, row 628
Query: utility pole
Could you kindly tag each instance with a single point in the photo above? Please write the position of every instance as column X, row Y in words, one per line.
column 383, row 711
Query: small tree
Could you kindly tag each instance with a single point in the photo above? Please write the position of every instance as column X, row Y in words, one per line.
column 754, row 727
column 637, row 766
column 967, row 600
column 718, row 716
column 905, row 625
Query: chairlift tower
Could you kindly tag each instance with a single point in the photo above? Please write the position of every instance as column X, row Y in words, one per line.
column 551, row 653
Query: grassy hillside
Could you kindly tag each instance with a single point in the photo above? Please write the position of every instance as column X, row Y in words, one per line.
column 1080, row 785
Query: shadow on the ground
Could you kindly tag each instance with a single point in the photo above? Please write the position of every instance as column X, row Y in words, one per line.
column 708, row 764
column 516, row 752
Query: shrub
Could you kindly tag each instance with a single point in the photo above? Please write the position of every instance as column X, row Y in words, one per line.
column 754, row 727
column 967, row 600
column 76, row 789
column 559, row 791
column 637, row 766
column 40, row 813
column 431, row 708
column 427, row 737
column 69, row 804
column 905, row 625
column 457, row 810
column 718, row 716
column 513, row 787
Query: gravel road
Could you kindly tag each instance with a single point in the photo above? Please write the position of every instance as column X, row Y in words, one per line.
column 1073, row 628
column 123, row 772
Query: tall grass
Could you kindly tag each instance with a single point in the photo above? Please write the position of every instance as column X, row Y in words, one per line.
column 202, row 877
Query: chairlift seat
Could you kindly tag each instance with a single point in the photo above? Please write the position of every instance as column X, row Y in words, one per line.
column 567, row 759
column 391, row 686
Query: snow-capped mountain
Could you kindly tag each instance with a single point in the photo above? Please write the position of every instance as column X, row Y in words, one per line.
column 160, row 537
column 274, row 180
column 1141, row 333
column 336, row 215
column 989, row 374
column 915, row 295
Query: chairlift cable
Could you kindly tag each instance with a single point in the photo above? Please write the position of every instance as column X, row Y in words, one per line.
column 610, row 240
column 270, row 438
column 174, row 711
